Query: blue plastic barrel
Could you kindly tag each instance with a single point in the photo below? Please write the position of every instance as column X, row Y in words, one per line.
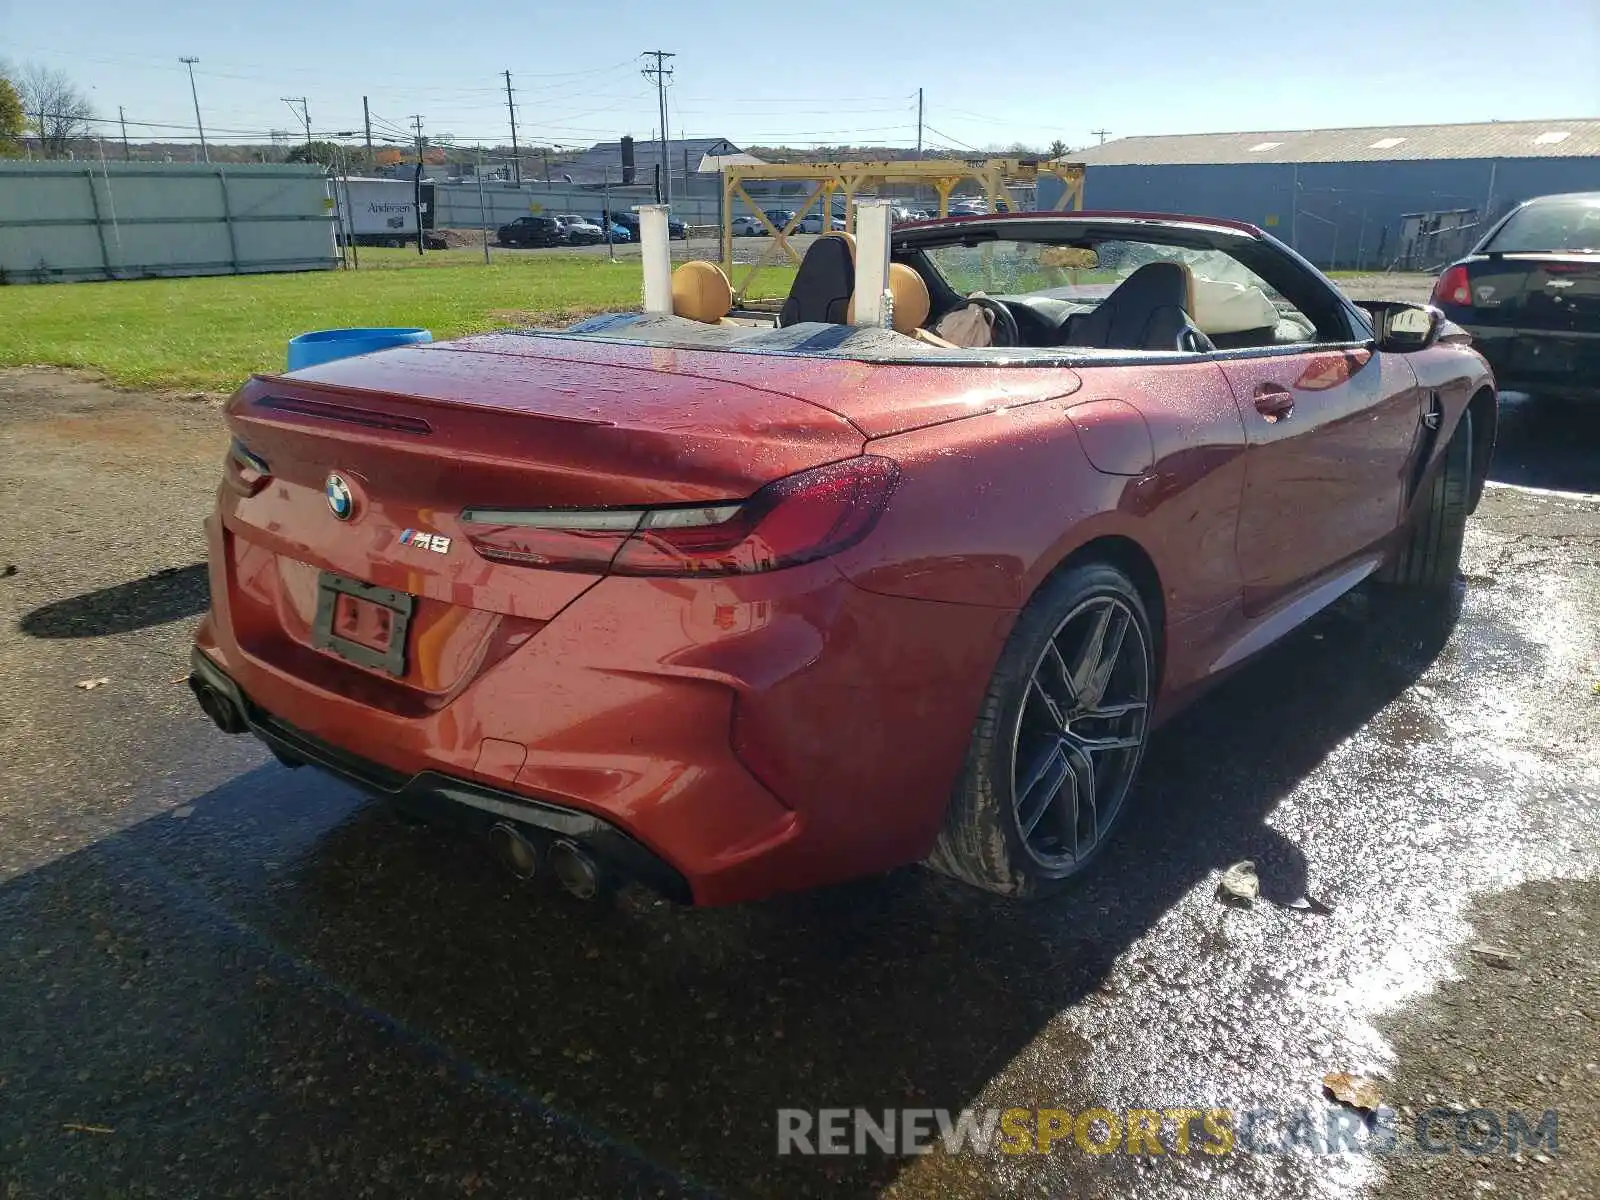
column 325, row 345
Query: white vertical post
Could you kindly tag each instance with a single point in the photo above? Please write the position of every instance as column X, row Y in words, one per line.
column 656, row 249
column 873, row 218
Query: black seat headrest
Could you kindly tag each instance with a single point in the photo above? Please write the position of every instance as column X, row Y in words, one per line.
column 1146, row 311
column 823, row 284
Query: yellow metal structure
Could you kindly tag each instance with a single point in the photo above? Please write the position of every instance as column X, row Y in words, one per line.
column 943, row 175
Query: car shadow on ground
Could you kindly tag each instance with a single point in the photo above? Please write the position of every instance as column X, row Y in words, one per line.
column 1548, row 443
column 167, row 595
column 681, row 1031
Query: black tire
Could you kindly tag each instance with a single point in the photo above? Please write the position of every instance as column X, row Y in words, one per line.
column 983, row 841
column 1428, row 558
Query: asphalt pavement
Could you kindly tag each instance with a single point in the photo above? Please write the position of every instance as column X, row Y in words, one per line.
column 224, row 978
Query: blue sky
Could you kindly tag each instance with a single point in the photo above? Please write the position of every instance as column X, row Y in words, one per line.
column 823, row 70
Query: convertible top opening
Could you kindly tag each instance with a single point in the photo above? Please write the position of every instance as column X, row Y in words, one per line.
column 1033, row 288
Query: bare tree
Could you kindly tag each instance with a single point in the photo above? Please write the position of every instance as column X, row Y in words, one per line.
column 56, row 109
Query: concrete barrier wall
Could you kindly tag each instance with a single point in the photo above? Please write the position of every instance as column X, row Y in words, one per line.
column 64, row 221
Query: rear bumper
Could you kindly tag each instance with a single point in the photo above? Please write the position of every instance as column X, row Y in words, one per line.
column 1547, row 362
column 754, row 734
column 431, row 790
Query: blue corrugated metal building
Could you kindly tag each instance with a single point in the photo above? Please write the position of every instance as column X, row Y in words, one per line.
column 1368, row 198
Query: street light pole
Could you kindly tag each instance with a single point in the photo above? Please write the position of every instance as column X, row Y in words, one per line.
column 190, row 62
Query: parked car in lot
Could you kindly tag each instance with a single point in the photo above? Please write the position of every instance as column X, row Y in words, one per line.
column 1529, row 294
column 579, row 230
column 813, row 224
column 619, row 232
column 531, row 231
column 676, row 229
column 731, row 610
column 748, row 225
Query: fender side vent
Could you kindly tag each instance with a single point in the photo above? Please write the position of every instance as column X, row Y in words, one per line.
column 1432, row 418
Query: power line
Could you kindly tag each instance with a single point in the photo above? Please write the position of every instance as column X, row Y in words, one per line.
column 305, row 111
column 957, row 141
column 391, row 127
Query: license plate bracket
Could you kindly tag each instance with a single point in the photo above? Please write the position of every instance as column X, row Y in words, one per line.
column 397, row 605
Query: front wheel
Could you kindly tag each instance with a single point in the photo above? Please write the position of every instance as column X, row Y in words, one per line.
column 1058, row 740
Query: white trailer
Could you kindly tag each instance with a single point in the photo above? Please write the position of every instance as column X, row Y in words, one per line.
column 380, row 212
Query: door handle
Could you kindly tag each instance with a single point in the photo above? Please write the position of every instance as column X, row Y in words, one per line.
column 1274, row 402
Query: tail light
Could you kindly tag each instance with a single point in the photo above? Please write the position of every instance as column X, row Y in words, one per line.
column 793, row 520
column 1454, row 287
column 245, row 472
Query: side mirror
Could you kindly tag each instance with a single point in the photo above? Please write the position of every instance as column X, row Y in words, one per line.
column 1405, row 327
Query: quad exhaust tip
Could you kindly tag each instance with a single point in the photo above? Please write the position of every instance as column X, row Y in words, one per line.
column 576, row 870
column 224, row 714
column 573, row 867
column 515, row 851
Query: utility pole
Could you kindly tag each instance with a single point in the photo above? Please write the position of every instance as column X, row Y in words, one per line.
column 127, row 154
column 305, row 112
column 660, row 73
column 366, row 120
column 190, row 62
column 516, row 155
column 1101, row 134
column 483, row 209
column 416, row 119
column 919, row 122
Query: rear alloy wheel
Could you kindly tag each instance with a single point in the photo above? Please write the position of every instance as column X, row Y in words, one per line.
column 1059, row 738
column 1429, row 557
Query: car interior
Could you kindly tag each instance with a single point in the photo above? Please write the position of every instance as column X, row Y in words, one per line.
column 1107, row 292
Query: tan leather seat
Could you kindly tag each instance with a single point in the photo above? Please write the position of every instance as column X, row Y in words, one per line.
column 912, row 302
column 701, row 292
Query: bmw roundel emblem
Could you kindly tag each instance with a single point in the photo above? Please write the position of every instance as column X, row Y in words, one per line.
column 340, row 500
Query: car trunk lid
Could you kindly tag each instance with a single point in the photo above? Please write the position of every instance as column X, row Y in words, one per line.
column 417, row 437
column 1557, row 293
column 878, row 399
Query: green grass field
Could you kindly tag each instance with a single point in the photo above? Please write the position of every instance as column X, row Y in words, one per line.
column 211, row 333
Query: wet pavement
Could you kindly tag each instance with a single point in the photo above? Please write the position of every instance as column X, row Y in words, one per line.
column 225, row 978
